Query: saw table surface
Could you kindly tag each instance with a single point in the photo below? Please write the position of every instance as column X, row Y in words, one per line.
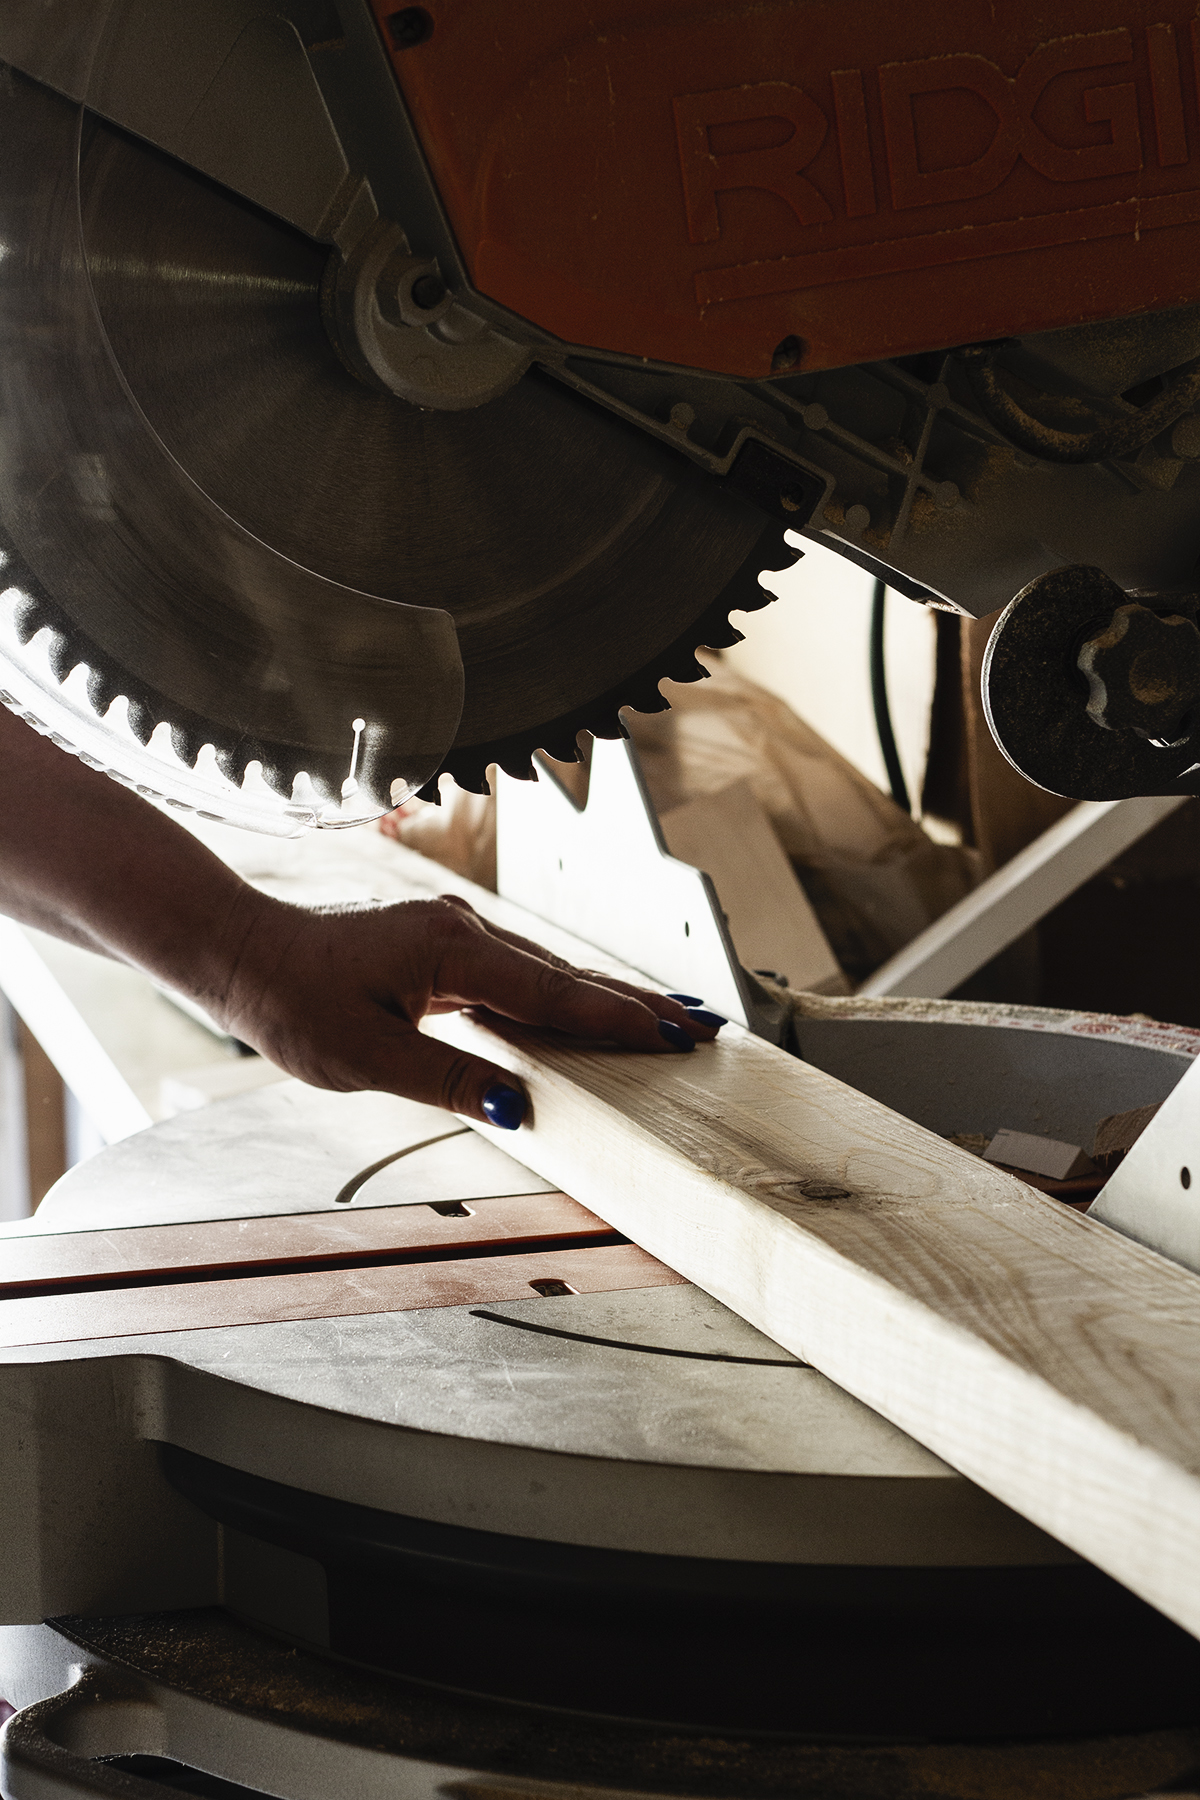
column 413, row 1304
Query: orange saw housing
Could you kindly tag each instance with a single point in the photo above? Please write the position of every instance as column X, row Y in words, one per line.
column 700, row 185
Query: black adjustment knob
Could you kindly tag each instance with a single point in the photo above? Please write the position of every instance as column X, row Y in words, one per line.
column 1143, row 673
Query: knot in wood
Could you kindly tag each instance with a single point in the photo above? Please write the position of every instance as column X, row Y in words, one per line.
column 809, row 1188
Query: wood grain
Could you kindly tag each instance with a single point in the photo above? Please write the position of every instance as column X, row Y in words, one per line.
column 770, row 917
column 1051, row 1360
column 45, row 1118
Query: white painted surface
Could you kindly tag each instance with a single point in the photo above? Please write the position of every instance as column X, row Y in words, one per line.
column 605, row 875
column 811, row 647
column 1154, row 1193
column 84, row 1137
column 109, row 1034
column 65, row 1036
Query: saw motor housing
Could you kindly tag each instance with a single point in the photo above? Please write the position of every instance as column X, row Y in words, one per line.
column 584, row 312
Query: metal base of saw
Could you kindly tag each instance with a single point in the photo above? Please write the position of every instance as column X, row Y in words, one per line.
column 197, row 1701
column 901, row 1653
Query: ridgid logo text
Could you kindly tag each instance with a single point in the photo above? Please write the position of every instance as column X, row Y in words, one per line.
column 894, row 130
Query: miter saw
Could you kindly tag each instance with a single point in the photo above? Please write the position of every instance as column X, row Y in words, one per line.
column 398, row 390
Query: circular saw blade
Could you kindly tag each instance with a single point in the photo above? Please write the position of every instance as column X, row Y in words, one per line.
column 212, row 668
column 579, row 560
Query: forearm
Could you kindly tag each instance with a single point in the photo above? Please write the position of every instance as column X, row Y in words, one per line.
column 87, row 860
column 333, row 998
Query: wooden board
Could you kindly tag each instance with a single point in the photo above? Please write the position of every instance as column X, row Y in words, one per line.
column 45, row 1118
column 323, row 1294
column 770, row 917
column 1051, row 1360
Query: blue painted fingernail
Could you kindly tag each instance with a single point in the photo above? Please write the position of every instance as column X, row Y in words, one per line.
column 675, row 1035
column 686, row 999
column 504, row 1106
column 702, row 1016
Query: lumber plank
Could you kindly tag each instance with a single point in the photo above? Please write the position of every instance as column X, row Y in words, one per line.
column 1051, row 1360
column 770, row 917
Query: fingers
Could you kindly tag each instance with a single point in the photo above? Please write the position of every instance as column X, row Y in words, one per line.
column 480, row 969
column 335, row 998
column 698, row 1024
column 421, row 1068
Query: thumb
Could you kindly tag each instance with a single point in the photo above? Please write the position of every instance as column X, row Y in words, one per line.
column 423, row 1068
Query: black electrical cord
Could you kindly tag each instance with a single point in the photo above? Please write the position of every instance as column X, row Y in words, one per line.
column 879, row 700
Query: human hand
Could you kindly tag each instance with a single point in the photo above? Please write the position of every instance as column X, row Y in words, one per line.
column 335, row 997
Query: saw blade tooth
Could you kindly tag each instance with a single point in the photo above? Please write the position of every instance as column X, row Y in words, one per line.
column 520, row 768
column 30, row 616
column 470, row 774
column 141, row 720
column 277, row 778
column 649, row 700
column 236, row 760
column 187, row 743
column 752, row 596
column 562, row 747
column 102, row 690
column 686, row 667
column 232, row 760
column 61, row 657
column 607, row 725
column 725, row 637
